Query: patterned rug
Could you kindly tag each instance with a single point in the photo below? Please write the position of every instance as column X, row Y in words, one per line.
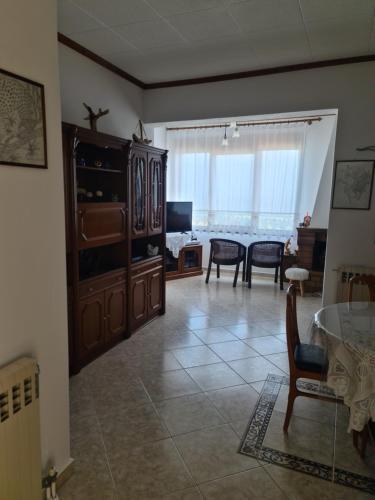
column 264, row 438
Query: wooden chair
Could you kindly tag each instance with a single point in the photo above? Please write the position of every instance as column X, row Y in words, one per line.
column 363, row 279
column 361, row 439
column 267, row 254
column 305, row 360
column 227, row 253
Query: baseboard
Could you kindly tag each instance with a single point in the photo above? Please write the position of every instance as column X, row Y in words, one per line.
column 65, row 474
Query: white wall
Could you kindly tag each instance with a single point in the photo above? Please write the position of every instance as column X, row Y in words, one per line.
column 33, row 316
column 82, row 80
column 318, row 139
column 348, row 88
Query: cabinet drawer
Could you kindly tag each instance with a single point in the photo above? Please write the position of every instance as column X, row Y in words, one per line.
column 100, row 224
column 146, row 267
column 94, row 285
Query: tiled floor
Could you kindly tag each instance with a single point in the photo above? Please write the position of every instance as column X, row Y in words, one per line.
column 160, row 416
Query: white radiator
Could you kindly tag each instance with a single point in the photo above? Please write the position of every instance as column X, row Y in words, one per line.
column 20, row 458
column 344, row 273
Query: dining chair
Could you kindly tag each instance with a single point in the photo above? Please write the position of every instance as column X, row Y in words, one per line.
column 227, row 253
column 305, row 360
column 362, row 438
column 267, row 254
column 364, row 280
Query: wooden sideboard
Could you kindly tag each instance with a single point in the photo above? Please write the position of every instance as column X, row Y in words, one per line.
column 188, row 263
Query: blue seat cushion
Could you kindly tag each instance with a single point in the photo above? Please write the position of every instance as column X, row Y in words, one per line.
column 311, row 358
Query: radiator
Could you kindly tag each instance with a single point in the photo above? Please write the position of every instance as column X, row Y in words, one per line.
column 20, row 457
column 344, row 273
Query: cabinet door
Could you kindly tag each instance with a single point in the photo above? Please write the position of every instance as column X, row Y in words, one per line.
column 100, row 224
column 155, row 282
column 138, row 300
column 139, row 194
column 115, row 314
column 91, row 325
column 156, row 205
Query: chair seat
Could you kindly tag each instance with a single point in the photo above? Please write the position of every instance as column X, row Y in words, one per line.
column 297, row 273
column 311, row 358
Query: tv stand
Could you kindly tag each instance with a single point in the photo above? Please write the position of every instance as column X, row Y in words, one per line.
column 188, row 263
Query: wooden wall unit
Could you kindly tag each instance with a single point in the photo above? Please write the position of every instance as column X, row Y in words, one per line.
column 115, row 209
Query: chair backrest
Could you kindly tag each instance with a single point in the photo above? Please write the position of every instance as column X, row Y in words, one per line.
column 227, row 249
column 364, row 280
column 292, row 334
column 261, row 250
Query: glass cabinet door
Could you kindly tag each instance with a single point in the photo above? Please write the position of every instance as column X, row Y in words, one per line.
column 156, row 196
column 139, row 195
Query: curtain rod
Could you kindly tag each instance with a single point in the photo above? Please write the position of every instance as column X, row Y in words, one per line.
column 307, row 119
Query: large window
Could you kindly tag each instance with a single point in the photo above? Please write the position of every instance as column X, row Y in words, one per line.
column 250, row 186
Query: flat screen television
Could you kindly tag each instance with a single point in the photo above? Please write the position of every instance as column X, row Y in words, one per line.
column 179, row 216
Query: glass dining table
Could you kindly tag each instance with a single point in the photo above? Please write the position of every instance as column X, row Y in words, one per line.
column 350, row 339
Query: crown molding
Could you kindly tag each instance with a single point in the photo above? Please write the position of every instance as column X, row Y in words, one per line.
column 209, row 79
column 98, row 60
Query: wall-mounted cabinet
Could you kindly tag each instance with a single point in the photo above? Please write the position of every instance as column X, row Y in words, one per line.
column 115, row 211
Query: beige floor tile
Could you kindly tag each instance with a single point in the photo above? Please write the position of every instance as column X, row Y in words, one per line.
column 198, row 322
column 170, row 384
column 212, row 453
column 267, row 345
column 217, row 376
column 299, row 486
column 229, row 351
column 258, row 386
column 196, row 356
column 149, row 471
column 234, row 403
column 188, row 494
column 274, row 327
column 254, row 369
column 281, row 360
column 157, row 362
column 254, row 484
column 240, row 426
column 127, row 428
column 214, row 335
column 188, row 413
column 247, row 330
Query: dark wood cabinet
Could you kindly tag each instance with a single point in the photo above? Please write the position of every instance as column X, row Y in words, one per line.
column 146, row 297
column 100, row 224
column 115, row 211
column 116, row 311
column 148, row 198
column 156, row 202
column 91, row 325
column 188, row 263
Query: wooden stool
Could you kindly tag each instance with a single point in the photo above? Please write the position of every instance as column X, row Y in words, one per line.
column 297, row 275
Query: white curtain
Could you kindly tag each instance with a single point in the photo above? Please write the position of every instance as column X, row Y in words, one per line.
column 249, row 187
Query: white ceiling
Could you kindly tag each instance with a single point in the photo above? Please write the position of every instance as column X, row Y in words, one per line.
column 159, row 40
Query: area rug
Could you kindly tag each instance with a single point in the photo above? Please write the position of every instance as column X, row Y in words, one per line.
column 317, row 442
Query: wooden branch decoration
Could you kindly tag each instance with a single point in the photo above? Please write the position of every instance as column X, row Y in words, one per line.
column 93, row 117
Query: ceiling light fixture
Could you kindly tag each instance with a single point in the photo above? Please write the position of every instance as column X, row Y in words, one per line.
column 236, row 133
column 225, row 138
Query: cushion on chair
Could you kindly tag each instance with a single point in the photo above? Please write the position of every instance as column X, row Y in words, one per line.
column 297, row 273
column 311, row 358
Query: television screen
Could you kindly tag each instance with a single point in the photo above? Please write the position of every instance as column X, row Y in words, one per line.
column 179, row 216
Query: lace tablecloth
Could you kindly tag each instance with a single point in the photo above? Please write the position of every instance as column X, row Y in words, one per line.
column 350, row 330
column 176, row 241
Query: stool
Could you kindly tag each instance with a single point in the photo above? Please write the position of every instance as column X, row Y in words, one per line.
column 294, row 274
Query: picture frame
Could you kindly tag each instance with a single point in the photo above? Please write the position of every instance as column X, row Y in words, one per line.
column 352, row 184
column 23, row 136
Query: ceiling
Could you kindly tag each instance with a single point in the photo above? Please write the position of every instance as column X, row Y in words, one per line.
column 161, row 40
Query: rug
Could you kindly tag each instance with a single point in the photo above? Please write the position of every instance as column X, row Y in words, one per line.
column 317, row 442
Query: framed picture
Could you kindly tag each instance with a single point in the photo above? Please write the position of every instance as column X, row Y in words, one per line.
column 22, row 122
column 352, row 184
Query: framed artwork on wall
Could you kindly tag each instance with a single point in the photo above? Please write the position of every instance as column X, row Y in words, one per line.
column 352, row 184
column 22, row 122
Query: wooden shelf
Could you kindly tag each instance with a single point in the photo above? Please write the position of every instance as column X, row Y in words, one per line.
column 99, row 169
